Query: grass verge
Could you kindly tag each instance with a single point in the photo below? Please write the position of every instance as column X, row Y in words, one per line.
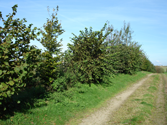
column 66, row 107
column 165, row 92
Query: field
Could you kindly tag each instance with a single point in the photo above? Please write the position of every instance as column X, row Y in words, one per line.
column 165, row 68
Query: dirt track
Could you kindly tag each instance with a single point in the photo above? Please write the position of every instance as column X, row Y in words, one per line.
column 102, row 116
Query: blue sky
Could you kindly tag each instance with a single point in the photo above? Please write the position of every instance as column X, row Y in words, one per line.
column 148, row 20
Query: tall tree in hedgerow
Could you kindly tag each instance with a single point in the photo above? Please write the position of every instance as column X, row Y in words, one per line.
column 49, row 68
column 128, row 52
column 146, row 64
column 17, row 58
column 88, row 59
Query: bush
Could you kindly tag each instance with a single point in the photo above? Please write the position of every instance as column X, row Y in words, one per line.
column 60, row 84
column 146, row 65
column 128, row 58
column 159, row 69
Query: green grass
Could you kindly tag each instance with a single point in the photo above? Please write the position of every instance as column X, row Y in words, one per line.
column 165, row 68
column 59, row 108
column 165, row 92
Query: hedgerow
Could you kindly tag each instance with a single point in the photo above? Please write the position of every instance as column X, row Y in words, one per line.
column 91, row 57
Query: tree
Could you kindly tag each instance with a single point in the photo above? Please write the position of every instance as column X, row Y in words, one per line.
column 127, row 58
column 49, row 68
column 146, row 64
column 126, row 36
column 17, row 58
column 88, row 58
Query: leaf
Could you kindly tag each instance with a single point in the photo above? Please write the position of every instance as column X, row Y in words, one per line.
column 16, row 69
column 4, row 85
column 16, row 80
column 8, row 92
column 24, row 72
column 1, row 87
column 12, row 93
column 25, row 85
column 4, row 95
column 8, row 41
column 11, row 83
column 4, row 71
column 0, row 72
column 25, row 65
column 5, row 57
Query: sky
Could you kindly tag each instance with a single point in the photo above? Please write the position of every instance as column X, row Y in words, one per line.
column 147, row 18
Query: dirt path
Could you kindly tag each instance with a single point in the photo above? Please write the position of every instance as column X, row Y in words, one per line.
column 102, row 116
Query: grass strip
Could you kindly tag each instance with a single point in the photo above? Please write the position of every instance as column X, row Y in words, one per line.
column 165, row 92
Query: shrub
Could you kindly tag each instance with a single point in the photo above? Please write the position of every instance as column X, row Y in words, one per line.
column 60, row 84
column 146, row 64
column 159, row 69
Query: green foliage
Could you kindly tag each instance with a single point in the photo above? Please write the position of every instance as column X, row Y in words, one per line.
column 60, row 84
column 49, row 68
column 147, row 65
column 33, row 62
column 88, row 59
column 64, row 69
column 50, row 34
column 128, row 57
column 17, row 58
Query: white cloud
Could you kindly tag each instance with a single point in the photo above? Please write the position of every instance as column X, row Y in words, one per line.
column 158, row 62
